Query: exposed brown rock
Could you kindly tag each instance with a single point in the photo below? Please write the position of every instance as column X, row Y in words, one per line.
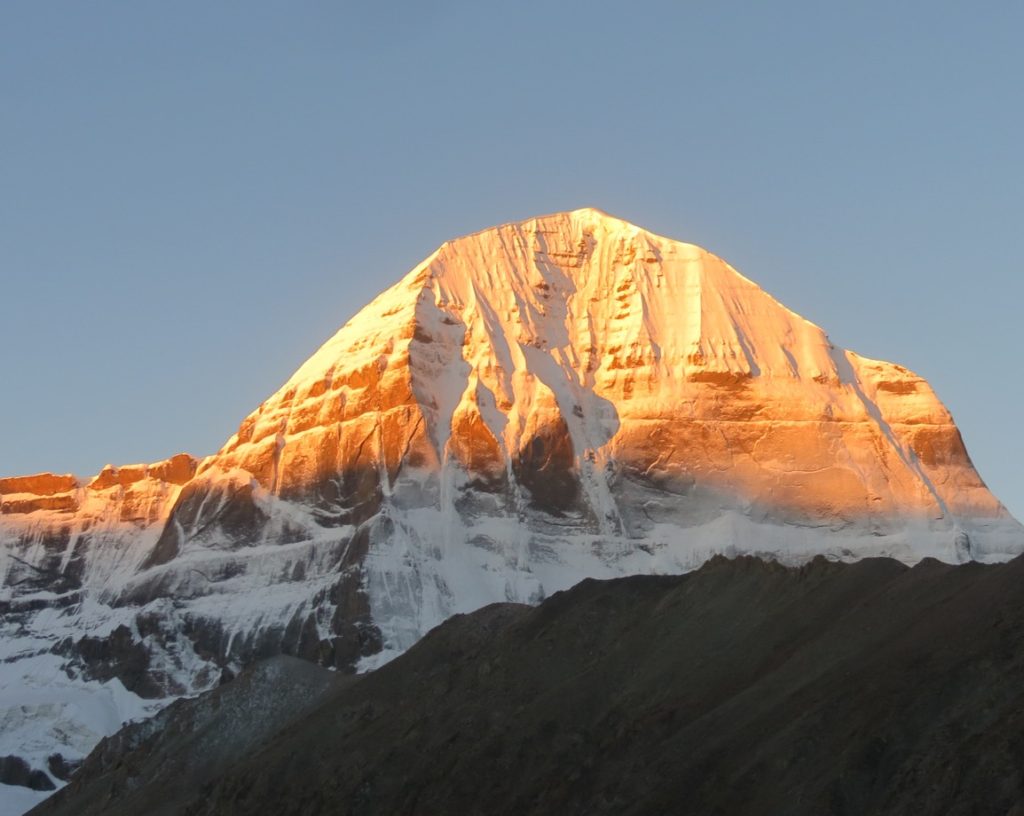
column 16, row 771
column 545, row 466
column 474, row 446
column 41, row 484
column 177, row 470
column 65, row 503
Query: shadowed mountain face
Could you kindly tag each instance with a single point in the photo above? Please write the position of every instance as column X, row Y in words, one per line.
column 743, row 688
column 155, row 767
column 566, row 397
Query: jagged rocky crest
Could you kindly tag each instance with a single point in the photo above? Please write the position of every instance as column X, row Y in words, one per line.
column 565, row 397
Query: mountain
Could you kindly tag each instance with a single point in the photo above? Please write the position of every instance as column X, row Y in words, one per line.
column 567, row 397
column 745, row 687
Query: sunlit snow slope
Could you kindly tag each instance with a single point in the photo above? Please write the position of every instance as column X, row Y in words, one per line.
column 565, row 397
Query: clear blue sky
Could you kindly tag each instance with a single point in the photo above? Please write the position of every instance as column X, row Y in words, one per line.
column 196, row 195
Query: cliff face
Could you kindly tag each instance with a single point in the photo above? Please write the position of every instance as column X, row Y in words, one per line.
column 565, row 397
column 548, row 361
column 61, row 533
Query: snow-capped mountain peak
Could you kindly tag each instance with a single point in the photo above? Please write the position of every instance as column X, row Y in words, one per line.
column 543, row 401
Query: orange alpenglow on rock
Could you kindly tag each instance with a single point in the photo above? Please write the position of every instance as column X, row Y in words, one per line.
column 617, row 354
column 566, row 397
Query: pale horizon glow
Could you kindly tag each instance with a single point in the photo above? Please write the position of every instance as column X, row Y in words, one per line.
column 197, row 197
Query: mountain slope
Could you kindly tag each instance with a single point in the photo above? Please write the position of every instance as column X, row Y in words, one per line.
column 201, row 739
column 744, row 687
column 540, row 402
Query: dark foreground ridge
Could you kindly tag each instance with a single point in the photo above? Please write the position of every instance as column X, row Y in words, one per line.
column 742, row 688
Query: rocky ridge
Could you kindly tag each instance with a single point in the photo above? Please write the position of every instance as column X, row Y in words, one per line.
column 742, row 688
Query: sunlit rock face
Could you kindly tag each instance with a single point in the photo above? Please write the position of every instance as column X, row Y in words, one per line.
column 565, row 397
column 60, row 529
column 561, row 363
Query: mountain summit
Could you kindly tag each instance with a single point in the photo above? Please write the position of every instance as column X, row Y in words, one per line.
column 564, row 397
column 548, row 360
